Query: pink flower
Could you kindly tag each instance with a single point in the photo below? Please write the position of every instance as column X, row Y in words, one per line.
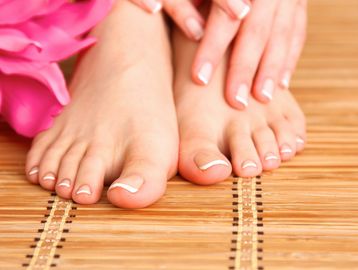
column 33, row 38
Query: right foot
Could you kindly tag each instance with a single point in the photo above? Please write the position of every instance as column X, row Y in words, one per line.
column 121, row 123
column 211, row 132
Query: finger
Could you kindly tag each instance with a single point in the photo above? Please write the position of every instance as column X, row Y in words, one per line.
column 219, row 32
column 237, row 9
column 152, row 6
column 275, row 53
column 247, row 52
column 297, row 42
column 187, row 17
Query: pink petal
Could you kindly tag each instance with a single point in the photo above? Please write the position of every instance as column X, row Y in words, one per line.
column 13, row 40
column 15, row 11
column 27, row 105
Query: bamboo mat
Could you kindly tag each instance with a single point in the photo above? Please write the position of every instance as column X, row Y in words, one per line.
column 302, row 216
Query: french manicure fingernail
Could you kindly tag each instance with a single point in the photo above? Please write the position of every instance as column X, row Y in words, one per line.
column 239, row 8
column 195, row 28
column 271, row 156
column 84, row 190
column 248, row 164
column 205, row 72
column 285, row 149
column 300, row 141
column 242, row 95
column 286, row 79
column 268, row 89
column 34, row 170
column 153, row 5
column 131, row 184
column 49, row 177
column 65, row 183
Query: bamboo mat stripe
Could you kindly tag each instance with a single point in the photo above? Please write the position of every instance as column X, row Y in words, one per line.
column 44, row 251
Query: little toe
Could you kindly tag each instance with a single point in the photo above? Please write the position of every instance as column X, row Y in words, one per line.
column 286, row 138
column 245, row 160
column 68, row 170
column 267, row 148
column 201, row 162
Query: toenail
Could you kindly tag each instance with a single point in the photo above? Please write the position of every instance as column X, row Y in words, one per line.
column 205, row 72
column 131, row 184
column 205, row 161
column 212, row 164
column 268, row 88
column 242, row 95
column 249, row 164
column 285, row 149
column 34, row 170
column 84, row 190
column 49, row 177
column 65, row 183
column 271, row 156
column 300, row 141
column 285, row 82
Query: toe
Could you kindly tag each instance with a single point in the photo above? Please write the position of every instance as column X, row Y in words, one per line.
column 144, row 176
column 89, row 181
column 267, row 147
column 68, row 170
column 50, row 163
column 34, row 156
column 245, row 160
column 201, row 162
column 285, row 136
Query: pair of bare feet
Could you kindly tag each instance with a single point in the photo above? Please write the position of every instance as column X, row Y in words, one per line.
column 122, row 128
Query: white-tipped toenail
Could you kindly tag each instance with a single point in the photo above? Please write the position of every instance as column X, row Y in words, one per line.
column 242, row 95
column 65, row 183
column 286, row 150
column 49, row 177
column 300, row 141
column 195, row 28
column 132, row 184
column 268, row 89
column 34, row 170
column 213, row 163
column 271, row 156
column 84, row 190
column 205, row 72
column 153, row 5
column 249, row 164
column 285, row 82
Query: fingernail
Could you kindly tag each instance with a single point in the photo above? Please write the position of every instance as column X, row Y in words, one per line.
column 84, row 190
column 34, row 170
column 195, row 28
column 300, row 141
column 153, row 5
column 271, row 156
column 268, row 88
column 248, row 164
column 49, row 177
column 131, row 184
column 242, row 95
column 285, row 149
column 65, row 183
column 205, row 72
column 239, row 8
column 286, row 79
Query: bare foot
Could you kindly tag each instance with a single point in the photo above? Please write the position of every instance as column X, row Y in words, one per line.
column 121, row 121
column 211, row 132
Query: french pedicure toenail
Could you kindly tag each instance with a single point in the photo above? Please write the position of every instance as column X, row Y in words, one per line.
column 205, row 72
column 153, row 5
column 131, row 184
column 49, row 177
column 285, row 82
column 213, row 163
column 84, row 190
column 34, row 170
column 195, row 28
column 205, row 161
column 248, row 164
column 65, row 183
column 242, row 95
column 239, row 8
column 271, row 156
column 285, row 149
column 268, row 88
